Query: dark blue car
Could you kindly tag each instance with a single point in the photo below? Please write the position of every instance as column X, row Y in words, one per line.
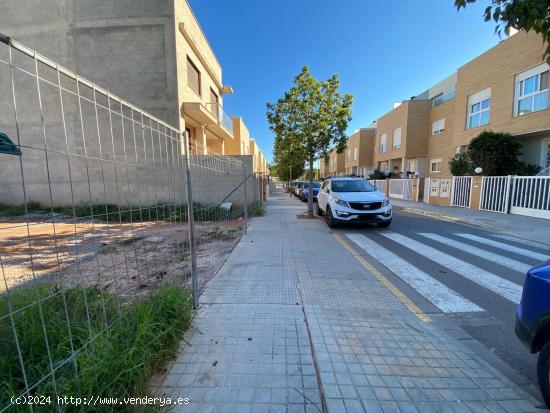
column 304, row 191
column 533, row 322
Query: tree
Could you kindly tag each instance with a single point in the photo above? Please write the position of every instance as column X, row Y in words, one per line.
column 518, row 14
column 460, row 165
column 285, row 161
column 496, row 153
column 311, row 118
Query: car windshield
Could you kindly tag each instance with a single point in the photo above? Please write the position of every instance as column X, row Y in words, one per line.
column 315, row 185
column 352, row 186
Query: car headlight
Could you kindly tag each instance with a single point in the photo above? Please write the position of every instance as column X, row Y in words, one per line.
column 386, row 202
column 341, row 202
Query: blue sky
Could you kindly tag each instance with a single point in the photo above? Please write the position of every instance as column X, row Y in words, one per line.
column 384, row 51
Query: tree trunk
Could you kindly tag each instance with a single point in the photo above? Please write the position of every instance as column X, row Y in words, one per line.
column 310, row 189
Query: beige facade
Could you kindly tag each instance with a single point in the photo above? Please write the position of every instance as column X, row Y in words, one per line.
column 337, row 163
column 401, row 145
column 240, row 144
column 500, row 70
column 359, row 153
column 200, row 86
column 503, row 90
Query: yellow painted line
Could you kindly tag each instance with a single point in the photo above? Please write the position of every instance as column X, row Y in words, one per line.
column 413, row 308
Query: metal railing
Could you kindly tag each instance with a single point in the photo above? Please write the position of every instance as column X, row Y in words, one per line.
column 444, row 98
column 544, row 172
column 101, row 200
column 223, row 118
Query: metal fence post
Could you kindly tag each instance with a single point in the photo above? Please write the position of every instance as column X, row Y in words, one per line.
column 191, row 222
column 508, row 194
column 245, row 200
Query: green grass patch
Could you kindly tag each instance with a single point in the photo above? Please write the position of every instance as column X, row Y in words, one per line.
column 117, row 347
column 256, row 209
column 114, row 213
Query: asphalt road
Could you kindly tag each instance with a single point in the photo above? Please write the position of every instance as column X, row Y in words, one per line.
column 460, row 274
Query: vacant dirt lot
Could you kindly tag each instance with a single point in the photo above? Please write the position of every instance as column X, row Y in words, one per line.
column 124, row 258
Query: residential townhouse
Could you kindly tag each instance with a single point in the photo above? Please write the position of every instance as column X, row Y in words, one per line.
column 240, row 144
column 337, row 163
column 153, row 54
column 504, row 90
column 359, row 154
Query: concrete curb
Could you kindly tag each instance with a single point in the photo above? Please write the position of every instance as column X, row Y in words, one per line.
column 451, row 218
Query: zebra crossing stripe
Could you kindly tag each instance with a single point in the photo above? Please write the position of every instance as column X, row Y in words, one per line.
column 523, row 241
column 437, row 293
column 507, row 289
column 479, row 252
column 506, row 247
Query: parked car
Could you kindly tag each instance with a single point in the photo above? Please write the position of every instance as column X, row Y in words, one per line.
column 533, row 322
column 293, row 186
column 352, row 200
column 299, row 185
column 304, row 192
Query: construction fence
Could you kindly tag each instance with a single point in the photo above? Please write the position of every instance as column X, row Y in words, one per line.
column 101, row 197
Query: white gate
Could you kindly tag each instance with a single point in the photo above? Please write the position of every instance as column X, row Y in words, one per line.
column 380, row 184
column 426, row 194
column 401, row 188
column 495, row 193
column 531, row 196
column 462, row 191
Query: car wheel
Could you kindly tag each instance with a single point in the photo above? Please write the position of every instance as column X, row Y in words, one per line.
column 318, row 210
column 384, row 224
column 331, row 222
column 543, row 373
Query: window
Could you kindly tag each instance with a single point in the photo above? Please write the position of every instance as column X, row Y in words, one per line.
column 214, row 104
column 479, row 106
column 461, row 150
column 435, row 165
column 193, row 77
column 349, row 154
column 383, row 139
column 438, row 126
column 396, row 138
column 355, row 153
column 532, row 90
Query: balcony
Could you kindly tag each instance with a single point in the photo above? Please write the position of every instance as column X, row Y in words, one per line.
column 224, row 120
column 444, row 98
column 211, row 115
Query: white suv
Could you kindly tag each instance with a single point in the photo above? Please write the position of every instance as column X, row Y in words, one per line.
column 352, row 200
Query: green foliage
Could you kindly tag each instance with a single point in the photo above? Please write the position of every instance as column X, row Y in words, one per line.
column 256, row 209
column 460, row 165
column 309, row 120
column 496, row 152
column 528, row 169
column 378, row 174
column 115, row 213
column 121, row 345
column 518, row 14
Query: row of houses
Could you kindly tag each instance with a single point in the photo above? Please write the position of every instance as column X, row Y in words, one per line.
column 154, row 54
column 504, row 90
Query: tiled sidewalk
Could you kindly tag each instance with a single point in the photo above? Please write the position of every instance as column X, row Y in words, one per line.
column 289, row 288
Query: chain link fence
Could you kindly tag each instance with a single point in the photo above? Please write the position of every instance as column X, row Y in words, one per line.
column 100, row 206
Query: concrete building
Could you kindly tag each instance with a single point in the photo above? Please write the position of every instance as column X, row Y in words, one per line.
column 154, row 54
column 503, row 90
column 360, row 152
